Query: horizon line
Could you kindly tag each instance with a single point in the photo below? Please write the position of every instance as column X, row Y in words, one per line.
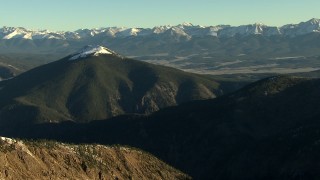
column 170, row 25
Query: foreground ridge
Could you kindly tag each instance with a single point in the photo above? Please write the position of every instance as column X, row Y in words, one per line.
column 20, row 159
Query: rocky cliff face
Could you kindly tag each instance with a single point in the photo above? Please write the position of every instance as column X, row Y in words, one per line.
column 52, row 160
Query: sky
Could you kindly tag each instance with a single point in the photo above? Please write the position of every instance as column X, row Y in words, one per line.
column 70, row 15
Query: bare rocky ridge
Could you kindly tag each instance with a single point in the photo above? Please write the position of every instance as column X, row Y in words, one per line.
column 51, row 160
column 8, row 71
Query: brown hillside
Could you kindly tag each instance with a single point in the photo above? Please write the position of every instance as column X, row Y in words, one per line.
column 51, row 160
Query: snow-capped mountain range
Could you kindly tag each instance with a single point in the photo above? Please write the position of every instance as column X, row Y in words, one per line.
column 187, row 30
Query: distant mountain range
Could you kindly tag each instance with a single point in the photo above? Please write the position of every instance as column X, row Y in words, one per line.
column 186, row 30
column 223, row 49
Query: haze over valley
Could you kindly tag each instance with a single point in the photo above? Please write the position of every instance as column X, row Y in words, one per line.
column 216, row 50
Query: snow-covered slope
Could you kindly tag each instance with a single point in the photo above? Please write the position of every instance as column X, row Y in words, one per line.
column 22, row 33
column 310, row 26
column 187, row 30
column 91, row 51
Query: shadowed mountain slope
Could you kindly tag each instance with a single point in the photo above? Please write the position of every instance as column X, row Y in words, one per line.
column 85, row 87
column 267, row 130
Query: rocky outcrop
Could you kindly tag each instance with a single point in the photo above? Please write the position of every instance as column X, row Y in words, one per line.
column 52, row 160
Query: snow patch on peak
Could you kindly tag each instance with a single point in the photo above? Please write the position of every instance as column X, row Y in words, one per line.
column 259, row 24
column 91, row 51
column 314, row 21
column 161, row 29
column 186, row 24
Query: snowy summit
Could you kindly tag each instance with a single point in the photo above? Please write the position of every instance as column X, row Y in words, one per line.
column 91, row 51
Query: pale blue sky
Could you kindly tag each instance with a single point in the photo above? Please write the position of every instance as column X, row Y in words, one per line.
column 75, row 14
